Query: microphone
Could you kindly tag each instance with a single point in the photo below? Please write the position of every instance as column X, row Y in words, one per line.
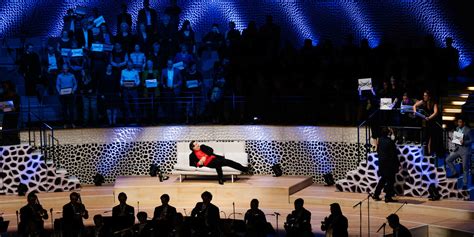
column 186, row 214
column 277, row 214
column 382, row 226
column 105, row 212
column 224, row 215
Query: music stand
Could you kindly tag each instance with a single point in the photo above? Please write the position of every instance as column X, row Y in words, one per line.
column 4, row 226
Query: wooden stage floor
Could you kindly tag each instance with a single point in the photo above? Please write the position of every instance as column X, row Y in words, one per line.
column 444, row 218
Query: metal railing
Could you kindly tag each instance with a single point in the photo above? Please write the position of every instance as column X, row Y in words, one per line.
column 47, row 142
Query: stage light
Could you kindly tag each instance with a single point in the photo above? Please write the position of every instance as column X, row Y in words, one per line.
column 98, row 179
column 329, row 179
column 22, row 189
column 153, row 170
column 277, row 170
column 433, row 193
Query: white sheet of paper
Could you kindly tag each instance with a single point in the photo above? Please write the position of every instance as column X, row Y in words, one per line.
column 6, row 106
column 65, row 91
column 457, row 137
column 97, row 47
column 192, row 84
column 65, row 52
column 179, row 65
column 385, row 103
column 151, row 83
column 129, row 83
column 77, row 52
column 108, row 47
column 99, row 21
column 365, row 84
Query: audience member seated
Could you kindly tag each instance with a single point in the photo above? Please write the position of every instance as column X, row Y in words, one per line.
column 255, row 221
column 165, row 217
column 298, row 223
column 398, row 229
column 205, row 217
column 336, row 224
column 123, row 214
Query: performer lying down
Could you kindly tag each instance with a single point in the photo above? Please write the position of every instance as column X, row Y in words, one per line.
column 203, row 155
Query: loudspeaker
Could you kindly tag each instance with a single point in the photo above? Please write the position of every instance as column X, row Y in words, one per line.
column 153, row 170
column 433, row 193
column 98, row 179
column 277, row 171
column 329, row 179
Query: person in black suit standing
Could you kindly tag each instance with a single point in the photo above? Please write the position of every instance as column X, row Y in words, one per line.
column 202, row 155
column 298, row 222
column 147, row 16
column 205, row 217
column 388, row 166
column 124, row 16
column 336, row 223
column 398, row 229
column 73, row 212
column 165, row 216
column 123, row 214
column 31, row 218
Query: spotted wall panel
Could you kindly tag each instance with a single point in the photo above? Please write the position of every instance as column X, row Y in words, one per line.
column 310, row 158
column 416, row 174
column 23, row 164
column 116, row 159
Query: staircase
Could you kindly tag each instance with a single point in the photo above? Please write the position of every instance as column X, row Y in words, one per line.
column 457, row 101
column 413, row 179
column 25, row 164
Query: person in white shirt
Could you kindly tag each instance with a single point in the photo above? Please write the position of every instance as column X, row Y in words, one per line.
column 138, row 58
column 130, row 80
column 462, row 150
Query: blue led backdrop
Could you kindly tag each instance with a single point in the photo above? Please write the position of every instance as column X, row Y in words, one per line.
column 299, row 19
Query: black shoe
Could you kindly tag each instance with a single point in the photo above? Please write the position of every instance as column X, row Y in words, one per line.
column 377, row 198
column 389, row 199
column 221, row 181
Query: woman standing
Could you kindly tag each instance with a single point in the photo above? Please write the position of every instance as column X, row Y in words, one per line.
column 430, row 108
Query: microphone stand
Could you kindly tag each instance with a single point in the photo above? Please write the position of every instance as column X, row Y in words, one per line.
column 276, row 216
column 52, row 219
column 382, row 227
column 360, row 212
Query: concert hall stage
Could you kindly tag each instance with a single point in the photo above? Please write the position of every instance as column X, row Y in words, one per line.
column 147, row 190
column 423, row 217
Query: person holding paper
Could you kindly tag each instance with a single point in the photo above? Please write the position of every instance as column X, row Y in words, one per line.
column 462, row 141
column 130, row 81
column 66, row 85
column 433, row 133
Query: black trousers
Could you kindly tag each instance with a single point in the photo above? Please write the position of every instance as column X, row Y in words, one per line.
column 387, row 181
column 221, row 161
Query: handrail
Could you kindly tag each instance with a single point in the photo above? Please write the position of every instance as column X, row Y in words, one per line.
column 47, row 141
column 367, row 135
